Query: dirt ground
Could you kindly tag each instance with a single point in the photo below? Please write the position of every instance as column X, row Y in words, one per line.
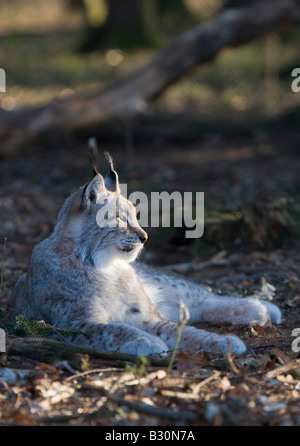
column 260, row 387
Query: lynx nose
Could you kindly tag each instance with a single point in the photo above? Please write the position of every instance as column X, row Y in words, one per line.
column 143, row 237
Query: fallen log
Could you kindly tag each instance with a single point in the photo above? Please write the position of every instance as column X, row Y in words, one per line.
column 128, row 97
column 78, row 361
column 49, row 351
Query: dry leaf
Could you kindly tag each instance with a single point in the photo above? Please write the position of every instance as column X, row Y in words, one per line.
column 189, row 359
column 56, row 392
column 240, row 389
column 253, row 331
column 22, row 418
column 48, row 367
column 260, row 330
column 224, row 384
column 267, row 290
column 285, row 378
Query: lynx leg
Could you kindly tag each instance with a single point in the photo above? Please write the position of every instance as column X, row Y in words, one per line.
column 199, row 340
column 233, row 310
column 120, row 336
column 203, row 305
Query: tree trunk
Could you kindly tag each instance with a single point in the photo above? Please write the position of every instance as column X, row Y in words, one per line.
column 129, row 23
column 127, row 98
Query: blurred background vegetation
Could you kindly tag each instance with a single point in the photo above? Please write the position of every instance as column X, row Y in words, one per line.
column 58, row 48
column 51, row 49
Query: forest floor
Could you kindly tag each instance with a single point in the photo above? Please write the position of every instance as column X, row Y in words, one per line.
column 240, row 254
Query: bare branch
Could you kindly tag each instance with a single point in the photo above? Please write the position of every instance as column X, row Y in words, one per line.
column 128, row 97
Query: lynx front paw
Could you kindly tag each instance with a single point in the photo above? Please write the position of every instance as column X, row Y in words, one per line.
column 221, row 344
column 235, row 345
column 225, row 343
column 144, row 346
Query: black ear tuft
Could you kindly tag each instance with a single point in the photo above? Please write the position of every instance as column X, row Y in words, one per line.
column 109, row 160
column 93, row 152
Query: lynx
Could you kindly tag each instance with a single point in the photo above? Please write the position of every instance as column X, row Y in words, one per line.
column 85, row 277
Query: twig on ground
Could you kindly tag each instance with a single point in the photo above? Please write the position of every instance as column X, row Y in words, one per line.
column 183, row 318
column 91, row 371
column 230, row 360
column 206, row 381
column 292, row 365
column 257, row 347
column 178, row 415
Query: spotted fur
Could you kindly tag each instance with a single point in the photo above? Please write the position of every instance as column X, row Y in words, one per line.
column 85, row 277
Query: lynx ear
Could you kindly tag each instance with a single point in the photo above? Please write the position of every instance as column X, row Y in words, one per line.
column 93, row 191
column 112, row 179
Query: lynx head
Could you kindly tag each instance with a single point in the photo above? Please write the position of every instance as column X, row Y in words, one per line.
column 102, row 222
